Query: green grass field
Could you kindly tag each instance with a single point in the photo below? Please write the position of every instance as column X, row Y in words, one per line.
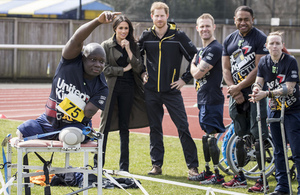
column 174, row 168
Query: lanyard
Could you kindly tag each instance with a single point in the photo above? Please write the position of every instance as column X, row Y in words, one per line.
column 275, row 65
column 240, row 43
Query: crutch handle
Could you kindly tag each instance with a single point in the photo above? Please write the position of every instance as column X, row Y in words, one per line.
column 273, row 120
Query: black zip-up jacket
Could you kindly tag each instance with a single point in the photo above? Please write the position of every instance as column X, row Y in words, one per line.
column 164, row 57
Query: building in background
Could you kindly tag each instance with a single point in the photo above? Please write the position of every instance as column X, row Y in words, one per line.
column 60, row 9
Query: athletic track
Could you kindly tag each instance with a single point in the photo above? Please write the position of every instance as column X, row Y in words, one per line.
column 23, row 102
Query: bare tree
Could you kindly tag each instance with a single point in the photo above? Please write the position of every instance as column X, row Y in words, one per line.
column 189, row 10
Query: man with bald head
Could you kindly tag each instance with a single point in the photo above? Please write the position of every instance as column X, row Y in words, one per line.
column 79, row 89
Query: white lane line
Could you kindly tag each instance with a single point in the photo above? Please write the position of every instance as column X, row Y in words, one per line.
column 208, row 189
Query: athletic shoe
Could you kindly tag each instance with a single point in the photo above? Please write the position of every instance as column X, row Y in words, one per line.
column 204, row 175
column 259, row 186
column 237, row 182
column 219, row 179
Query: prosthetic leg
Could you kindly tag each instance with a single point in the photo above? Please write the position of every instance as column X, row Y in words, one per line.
column 240, row 152
column 206, row 151
column 261, row 144
column 211, row 150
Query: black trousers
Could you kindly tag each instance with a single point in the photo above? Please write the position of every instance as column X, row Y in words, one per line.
column 174, row 103
column 123, row 96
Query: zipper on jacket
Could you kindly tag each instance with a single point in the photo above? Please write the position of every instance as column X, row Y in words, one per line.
column 159, row 62
column 174, row 73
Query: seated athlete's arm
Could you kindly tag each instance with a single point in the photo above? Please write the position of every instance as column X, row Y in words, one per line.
column 90, row 110
column 75, row 44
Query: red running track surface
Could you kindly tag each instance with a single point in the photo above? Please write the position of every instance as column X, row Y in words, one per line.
column 23, row 103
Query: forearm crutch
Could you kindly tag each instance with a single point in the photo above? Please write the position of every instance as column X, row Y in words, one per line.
column 281, row 120
column 261, row 145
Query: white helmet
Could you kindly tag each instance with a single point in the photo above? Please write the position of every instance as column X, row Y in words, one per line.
column 71, row 135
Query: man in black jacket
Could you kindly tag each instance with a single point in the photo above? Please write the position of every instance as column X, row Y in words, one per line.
column 164, row 46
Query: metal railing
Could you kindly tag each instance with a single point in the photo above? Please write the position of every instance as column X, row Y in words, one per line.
column 36, row 47
column 57, row 47
column 16, row 47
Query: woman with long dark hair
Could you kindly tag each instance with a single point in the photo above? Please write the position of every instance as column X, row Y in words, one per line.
column 124, row 107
